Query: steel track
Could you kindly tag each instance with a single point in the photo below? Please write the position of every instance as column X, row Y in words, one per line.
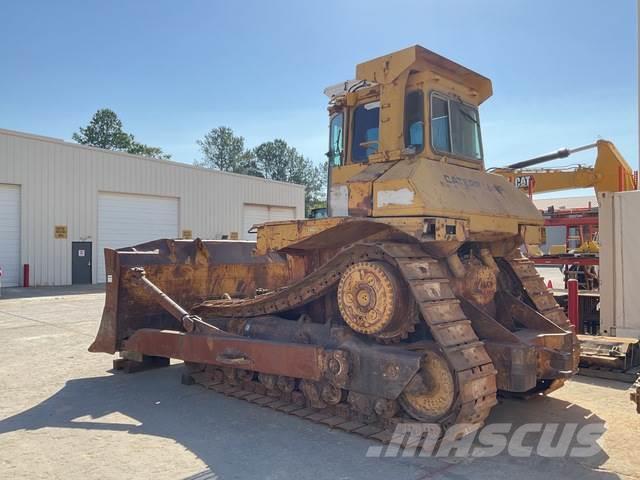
column 471, row 366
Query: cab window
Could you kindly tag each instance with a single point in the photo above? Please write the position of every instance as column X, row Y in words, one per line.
column 414, row 121
column 366, row 119
column 466, row 130
column 455, row 127
column 336, row 140
column 440, row 135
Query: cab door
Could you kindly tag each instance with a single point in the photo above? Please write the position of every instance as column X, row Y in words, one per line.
column 351, row 175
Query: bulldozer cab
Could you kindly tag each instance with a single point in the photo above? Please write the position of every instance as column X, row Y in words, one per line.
column 405, row 153
column 411, row 104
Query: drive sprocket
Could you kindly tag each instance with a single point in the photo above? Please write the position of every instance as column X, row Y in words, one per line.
column 373, row 301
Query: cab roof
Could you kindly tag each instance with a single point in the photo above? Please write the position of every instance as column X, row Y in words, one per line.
column 387, row 68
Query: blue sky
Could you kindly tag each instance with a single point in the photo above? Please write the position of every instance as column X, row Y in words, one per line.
column 564, row 72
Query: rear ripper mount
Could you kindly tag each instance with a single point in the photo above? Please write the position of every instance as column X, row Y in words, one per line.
column 404, row 347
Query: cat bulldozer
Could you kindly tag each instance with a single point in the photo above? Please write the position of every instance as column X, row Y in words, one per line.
column 409, row 302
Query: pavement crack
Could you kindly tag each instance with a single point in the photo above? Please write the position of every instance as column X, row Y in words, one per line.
column 42, row 322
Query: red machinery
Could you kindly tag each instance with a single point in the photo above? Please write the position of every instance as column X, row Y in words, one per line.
column 580, row 250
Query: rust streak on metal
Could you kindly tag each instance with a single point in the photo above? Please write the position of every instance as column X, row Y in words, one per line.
column 277, row 358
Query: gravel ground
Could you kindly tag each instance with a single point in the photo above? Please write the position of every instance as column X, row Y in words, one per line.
column 65, row 414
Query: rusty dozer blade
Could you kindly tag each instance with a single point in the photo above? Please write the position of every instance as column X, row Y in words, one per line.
column 191, row 270
column 139, row 317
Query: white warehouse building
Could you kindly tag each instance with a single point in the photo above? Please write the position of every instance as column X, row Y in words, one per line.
column 62, row 203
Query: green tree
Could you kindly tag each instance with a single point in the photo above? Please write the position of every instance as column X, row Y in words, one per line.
column 105, row 130
column 279, row 161
column 223, row 150
column 146, row 151
column 320, row 177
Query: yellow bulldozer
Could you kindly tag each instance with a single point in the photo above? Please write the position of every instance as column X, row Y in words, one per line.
column 410, row 301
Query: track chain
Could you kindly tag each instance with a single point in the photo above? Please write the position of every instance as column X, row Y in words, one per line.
column 340, row 416
column 310, row 288
column 537, row 291
column 473, row 370
column 544, row 301
column 472, row 367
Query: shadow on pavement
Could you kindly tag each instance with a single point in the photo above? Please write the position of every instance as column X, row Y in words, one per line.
column 235, row 439
column 240, row 440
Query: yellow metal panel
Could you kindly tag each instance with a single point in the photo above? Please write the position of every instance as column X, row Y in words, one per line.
column 340, row 175
column 392, row 99
column 549, row 180
column 387, row 68
column 612, row 172
column 487, row 223
column 531, row 234
column 277, row 235
column 445, row 190
column 360, row 199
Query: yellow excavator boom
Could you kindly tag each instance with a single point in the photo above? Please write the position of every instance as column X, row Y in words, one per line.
column 610, row 173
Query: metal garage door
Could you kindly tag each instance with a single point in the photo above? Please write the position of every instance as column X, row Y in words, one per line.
column 126, row 220
column 255, row 214
column 10, row 234
column 281, row 213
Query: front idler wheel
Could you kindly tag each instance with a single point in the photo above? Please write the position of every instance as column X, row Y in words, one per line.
column 430, row 394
